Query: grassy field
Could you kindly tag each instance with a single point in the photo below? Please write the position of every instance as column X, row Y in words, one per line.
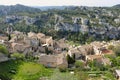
column 20, row 70
column 57, row 75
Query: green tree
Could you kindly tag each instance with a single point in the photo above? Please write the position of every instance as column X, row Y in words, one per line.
column 62, row 68
column 118, row 60
column 117, row 50
column 17, row 55
column 73, row 57
column 9, row 37
column 70, row 60
column 90, row 39
column 79, row 64
column 46, row 50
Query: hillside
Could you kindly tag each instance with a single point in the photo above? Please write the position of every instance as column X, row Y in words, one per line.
column 44, row 8
column 7, row 10
column 90, row 23
column 117, row 6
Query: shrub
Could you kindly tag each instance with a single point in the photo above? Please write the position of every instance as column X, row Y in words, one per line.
column 111, row 47
column 17, row 55
column 79, row 64
column 70, row 59
column 62, row 68
column 8, row 69
column 117, row 50
column 9, row 37
column 3, row 49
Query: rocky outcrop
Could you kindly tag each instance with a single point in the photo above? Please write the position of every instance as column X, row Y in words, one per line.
column 67, row 27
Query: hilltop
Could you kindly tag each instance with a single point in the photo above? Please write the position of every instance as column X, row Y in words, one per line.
column 13, row 9
column 117, row 6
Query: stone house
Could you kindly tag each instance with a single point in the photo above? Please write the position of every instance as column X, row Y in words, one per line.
column 76, row 52
column 86, row 49
column 114, row 43
column 108, row 52
column 104, row 61
column 31, row 41
column 14, row 39
column 44, row 39
column 99, row 59
column 40, row 35
column 17, row 34
column 98, row 47
column 21, row 48
column 93, row 57
column 60, row 45
column 49, row 40
column 41, row 49
column 53, row 60
column 32, row 35
column 3, row 39
column 81, row 51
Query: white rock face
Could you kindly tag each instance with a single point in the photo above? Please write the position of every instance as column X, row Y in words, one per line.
column 67, row 27
column 85, row 21
column 117, row 20
column 58, row 18
column 76, row 19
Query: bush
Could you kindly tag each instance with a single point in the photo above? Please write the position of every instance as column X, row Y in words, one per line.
column 70, row 59
column 111, row 47
column 79, row 64
column 62, row 68
column 117, row 50
column 8, row 69
column 115, row 62
column 3, row 49
column 17, row 55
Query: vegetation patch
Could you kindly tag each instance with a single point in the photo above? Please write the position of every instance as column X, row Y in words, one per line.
column 3, row 49
column 21, row 70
